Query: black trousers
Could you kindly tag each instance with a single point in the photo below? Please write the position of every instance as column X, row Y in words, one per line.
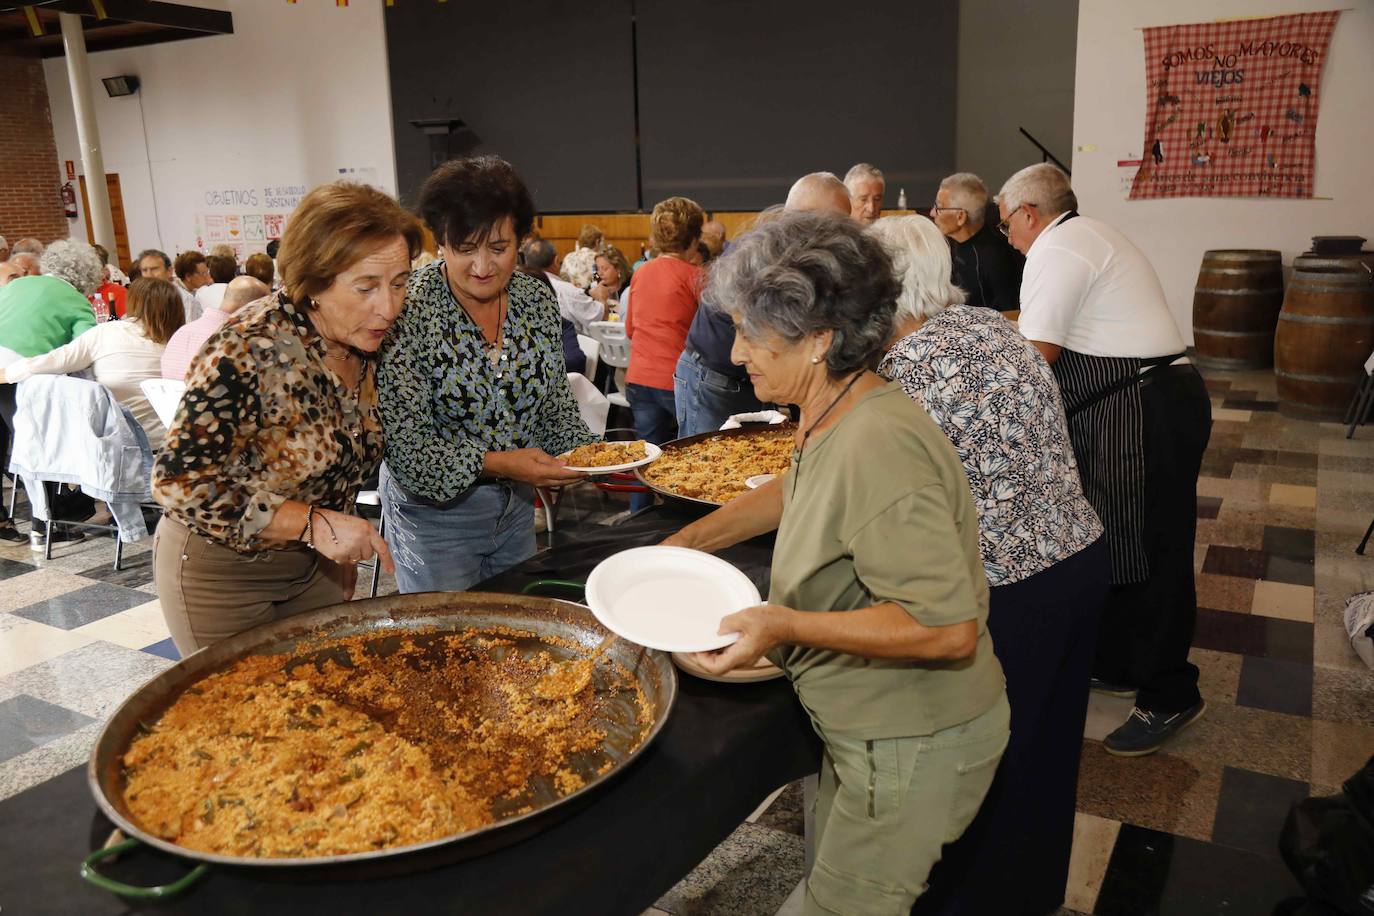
column 1014, row 857
column 1147, row 627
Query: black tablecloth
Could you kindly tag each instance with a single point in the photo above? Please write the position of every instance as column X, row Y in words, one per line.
column 724, row 748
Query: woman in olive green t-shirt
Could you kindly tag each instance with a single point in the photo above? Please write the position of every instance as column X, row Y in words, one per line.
column 878, row 606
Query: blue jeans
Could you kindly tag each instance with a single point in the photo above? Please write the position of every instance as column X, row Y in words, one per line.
column 707, row 398
column 655, row 421
column 485, row 531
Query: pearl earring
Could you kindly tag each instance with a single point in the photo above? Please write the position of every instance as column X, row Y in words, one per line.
column 815, row 359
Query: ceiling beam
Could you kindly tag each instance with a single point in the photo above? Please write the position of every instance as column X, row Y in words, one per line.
column 151, row 12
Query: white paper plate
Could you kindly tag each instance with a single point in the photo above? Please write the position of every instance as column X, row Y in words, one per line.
column 758, row 480
column 669, row 598
column 651, row 452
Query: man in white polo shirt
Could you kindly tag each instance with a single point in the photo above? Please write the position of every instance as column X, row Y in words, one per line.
column 1139, row 417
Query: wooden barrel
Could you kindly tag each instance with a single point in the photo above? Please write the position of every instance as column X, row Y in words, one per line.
column 1309, row 260
column 1236, row 307
column 1325, row 334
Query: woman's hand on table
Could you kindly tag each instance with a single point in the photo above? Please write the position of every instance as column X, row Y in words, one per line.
column 761, row 628
column 531, row 465
column 349, row 540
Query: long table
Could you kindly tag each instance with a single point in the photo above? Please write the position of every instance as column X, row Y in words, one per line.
column 724, row 748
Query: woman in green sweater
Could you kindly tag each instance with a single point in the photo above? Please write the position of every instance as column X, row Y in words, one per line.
column 878, row 606
column 38, row 315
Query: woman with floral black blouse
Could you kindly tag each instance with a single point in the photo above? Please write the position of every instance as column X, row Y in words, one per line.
column 278, row 429
column 474, row 391
column 996, row 400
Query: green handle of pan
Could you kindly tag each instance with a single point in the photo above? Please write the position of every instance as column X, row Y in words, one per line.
column 553, row 583
column 161, row 892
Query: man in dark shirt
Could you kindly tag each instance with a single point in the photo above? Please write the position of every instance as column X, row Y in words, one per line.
column 708, row 388
column 985, row 266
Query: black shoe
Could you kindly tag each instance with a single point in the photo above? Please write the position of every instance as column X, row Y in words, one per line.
column 1097, row 685
column 10, row 533
column 1145, row 731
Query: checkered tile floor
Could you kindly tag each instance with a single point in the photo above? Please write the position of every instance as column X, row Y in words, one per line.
column 1281, row 505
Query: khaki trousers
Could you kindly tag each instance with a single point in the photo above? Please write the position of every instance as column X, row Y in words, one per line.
column 886, row 807
column 210, row 592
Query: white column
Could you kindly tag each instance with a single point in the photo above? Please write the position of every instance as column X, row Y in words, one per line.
column 87, row 132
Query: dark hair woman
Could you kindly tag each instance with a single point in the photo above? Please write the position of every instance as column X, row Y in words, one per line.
column 474, row 390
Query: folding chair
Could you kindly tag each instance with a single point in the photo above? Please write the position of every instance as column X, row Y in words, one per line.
column 615, row 352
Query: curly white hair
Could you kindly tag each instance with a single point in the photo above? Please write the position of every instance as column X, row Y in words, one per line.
column 75, row 262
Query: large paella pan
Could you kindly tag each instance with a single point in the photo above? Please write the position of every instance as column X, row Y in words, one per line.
column 623, row 710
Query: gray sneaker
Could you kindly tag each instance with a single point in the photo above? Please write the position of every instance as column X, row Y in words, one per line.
column 1146, row 731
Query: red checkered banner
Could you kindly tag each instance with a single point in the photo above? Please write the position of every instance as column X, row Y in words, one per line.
column 1231, row 107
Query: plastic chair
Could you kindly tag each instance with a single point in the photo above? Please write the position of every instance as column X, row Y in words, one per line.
column 592, row 350
column 58, row 476
column 615, row 351
column 592, row 404
column 164, row 394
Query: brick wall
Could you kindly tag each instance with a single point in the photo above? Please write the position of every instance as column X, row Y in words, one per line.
column 29, row 186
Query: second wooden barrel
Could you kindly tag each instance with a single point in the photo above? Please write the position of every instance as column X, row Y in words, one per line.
column 1325, row 334
column 1236, row 308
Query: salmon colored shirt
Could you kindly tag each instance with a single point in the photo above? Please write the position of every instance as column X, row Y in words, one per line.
column 666, row 291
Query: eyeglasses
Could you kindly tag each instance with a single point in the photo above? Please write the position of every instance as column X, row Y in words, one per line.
column 1004, row 226
column 935, row 210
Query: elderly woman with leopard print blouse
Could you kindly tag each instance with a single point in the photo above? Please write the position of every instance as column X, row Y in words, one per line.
column 279, row 428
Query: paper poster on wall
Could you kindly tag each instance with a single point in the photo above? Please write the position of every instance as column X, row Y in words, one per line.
column 274, row 224
column 1231, row 107
column 253, row 228
column 363, row 175
column 233, row 226
column 240, row 252
column 214, row 228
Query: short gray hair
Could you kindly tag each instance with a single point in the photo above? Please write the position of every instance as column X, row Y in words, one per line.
column 863, row 172
column 540, row 254
column 920, row 262
column 1043, row 186
column 804, row 273
column 968, row 193
column 75, row 262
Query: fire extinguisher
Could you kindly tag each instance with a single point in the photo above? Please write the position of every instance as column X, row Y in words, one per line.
column 69, row 201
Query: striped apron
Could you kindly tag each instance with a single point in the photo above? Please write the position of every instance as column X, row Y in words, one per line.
column 1106, row 425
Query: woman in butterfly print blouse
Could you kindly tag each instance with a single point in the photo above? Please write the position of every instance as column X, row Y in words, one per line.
column 996, row 399
column 278, row 429
column 474, row 390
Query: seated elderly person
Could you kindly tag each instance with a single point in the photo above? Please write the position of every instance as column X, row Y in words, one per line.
column 818, row 191
column 120, row 354
column 187, row 341
column 866, row 188
column 985, row 265
column 20, row 265
column 39, row 314
column 996, row 399
column 878, row 605
column 279, row 428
